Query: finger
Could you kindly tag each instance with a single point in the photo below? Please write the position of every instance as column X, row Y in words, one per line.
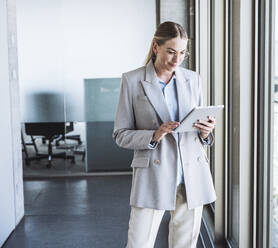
column 209, row 123
column 202, row 127
column 170, row 124
column 175, row 124
column 171, row 128
column 205, row 130
column 167, row 130
column 202, row 131
column 205, row 123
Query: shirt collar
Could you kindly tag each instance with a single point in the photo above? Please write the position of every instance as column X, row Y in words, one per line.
column 172, row 79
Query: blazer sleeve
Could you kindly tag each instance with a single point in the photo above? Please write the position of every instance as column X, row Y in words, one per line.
column 125, row 133
column 210, row 138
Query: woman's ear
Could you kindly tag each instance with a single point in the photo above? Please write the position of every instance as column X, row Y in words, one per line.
column 155, row 46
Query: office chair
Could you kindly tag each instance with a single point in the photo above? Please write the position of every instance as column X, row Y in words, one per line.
column 25, row 144
column 63, row 137
column 51, row 131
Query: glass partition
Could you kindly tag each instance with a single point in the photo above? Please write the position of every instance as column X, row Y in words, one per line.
column 101, row 98
column 71, row 58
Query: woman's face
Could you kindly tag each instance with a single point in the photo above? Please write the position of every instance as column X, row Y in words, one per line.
column 171, row 54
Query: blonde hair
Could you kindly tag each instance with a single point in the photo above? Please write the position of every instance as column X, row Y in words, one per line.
column 164, row 32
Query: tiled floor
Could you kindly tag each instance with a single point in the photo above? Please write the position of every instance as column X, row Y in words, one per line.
column 75, row 213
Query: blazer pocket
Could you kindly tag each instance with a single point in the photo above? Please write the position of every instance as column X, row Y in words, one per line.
column 140, row 162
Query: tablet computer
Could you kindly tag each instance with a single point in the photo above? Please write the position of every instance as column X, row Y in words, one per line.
column 198, row 113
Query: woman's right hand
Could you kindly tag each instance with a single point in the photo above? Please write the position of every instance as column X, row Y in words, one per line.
column 164, row 129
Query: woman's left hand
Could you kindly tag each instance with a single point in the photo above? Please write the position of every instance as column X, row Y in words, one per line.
column 205, row 127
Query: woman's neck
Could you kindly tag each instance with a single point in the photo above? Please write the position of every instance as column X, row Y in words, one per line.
column 163, row 74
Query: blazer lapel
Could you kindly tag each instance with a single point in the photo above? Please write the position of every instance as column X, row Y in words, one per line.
column 154, row 93
column 184, row 94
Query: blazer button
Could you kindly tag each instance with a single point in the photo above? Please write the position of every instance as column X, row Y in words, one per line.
column 199, row 159
column 157, row 161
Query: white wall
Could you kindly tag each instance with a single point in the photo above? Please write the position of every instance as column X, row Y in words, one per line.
column 11, row 182
column 61, row 42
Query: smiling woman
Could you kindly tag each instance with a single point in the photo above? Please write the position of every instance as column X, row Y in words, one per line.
column 170, row 171
column 168, row 56
column 168, row 49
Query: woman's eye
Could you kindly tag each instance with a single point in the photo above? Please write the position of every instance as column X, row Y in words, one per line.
column 171, row 52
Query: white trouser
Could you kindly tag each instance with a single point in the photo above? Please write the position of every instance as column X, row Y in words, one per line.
column 184, row 225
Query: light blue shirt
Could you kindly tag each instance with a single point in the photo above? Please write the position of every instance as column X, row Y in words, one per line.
column 170, row 94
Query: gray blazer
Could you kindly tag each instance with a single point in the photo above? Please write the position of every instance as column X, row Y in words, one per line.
column 141, row 110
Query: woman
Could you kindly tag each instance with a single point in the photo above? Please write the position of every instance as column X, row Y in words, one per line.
column 170, row 171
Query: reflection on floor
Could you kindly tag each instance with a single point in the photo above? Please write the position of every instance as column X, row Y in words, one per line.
column 75, row 213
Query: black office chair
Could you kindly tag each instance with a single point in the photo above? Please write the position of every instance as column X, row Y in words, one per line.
column 51, row 131
column 63, row 137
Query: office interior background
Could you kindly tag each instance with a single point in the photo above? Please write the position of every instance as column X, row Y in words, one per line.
column 60, row 67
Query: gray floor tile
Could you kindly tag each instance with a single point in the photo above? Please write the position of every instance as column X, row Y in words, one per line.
column 78, row 213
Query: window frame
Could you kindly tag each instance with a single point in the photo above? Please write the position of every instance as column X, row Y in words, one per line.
column 210, row 64
column 265, row 113
column 255, row 178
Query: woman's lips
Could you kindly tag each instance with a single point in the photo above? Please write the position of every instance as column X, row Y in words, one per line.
column 173, row 65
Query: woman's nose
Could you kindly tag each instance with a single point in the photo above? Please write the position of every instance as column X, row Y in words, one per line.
column 176, row 58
